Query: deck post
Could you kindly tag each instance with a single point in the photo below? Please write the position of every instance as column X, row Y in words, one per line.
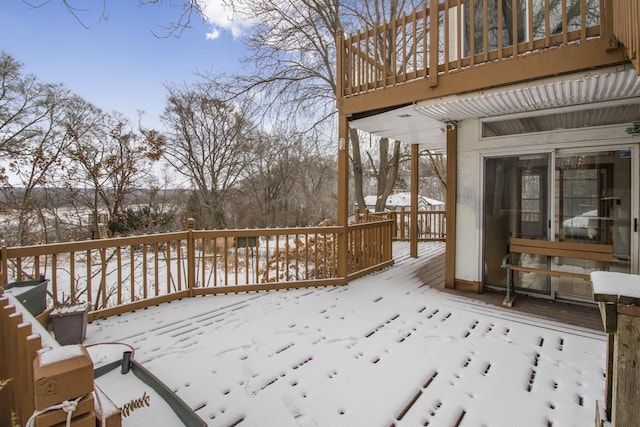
column 191, row 256
column 606, row 26
column 413, row 236
column 452, row 166
column 434, row 42
column 343, row 160
column 4, row 274
column 343, row 195
column 621, row 319
column 68, row 380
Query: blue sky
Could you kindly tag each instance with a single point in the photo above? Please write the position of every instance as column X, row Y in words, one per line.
column 118, row 64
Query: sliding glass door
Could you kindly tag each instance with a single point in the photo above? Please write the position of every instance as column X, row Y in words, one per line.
column 573, row 196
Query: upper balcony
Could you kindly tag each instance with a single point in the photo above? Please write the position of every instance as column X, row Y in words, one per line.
column 456, row 46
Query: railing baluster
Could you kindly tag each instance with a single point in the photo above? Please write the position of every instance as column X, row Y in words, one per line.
column 20, row 275
column 514, row 27
column 167, row 260
column 202, row 283
column 434, row 47
column 460, row 34
column 132, row 278
column 277, row 256
column 500, row 23
column 234, row 258
column 145, row 281
column 119, row 273
column 103, row 276
column 425, row 42
column 547, row 24
column 288, row 260
column 255, row 259
column 156, row 278
column 54, row 277
column 485, row 30
column 446, row 34
column 414, row 52
column 530, row 23
column 376, row 57
column 472, row 32
column 360, row 63
column 88, row 279
column 178, row 246
column 72, row 280
column 36, row 267
column 393, row 46
column 403, row 46
column 565, row 26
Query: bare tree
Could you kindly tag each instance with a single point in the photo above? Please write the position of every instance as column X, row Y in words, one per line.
column 108, row 159
column 23, row 105
column 209, row 143
column 387, row 171
column 270, row 179
column 288, row 183
column 317, row 186
column 64, row 153
column 292, row 63
column 88, row 16
column 33, row 138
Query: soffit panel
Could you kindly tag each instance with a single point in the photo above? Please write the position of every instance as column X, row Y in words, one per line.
column 535, row 96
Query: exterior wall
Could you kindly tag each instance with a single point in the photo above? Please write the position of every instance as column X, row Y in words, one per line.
column 468, row 220
column 471, row 151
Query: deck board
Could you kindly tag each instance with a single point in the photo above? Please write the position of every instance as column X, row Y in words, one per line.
column 388, row 349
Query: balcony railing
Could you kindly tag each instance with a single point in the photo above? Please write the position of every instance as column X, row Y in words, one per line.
column 450, row 35
column 122, row 274
column 431, row 224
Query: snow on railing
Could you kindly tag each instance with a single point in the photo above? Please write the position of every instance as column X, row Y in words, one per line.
column 126, row 273
column 432, row 225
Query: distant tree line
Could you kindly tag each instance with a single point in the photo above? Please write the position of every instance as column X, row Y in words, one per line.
column 65, row 165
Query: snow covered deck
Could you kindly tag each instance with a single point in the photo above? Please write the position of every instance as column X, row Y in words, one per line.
column 388, row 349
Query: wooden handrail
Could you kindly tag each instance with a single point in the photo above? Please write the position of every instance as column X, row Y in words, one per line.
column 431, row 223
column 126, row 273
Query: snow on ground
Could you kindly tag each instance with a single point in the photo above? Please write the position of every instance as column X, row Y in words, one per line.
column 384, row 350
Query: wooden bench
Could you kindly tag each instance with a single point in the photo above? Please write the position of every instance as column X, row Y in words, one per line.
column 583, row 251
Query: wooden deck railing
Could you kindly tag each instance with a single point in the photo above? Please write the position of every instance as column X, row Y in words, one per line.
column 432, row 224
column 441, row 37
column 626, row 27
column 127, row 273
column 369, row 247
column 124, row 274
column 21, row 336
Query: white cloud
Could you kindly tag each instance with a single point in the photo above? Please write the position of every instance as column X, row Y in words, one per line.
column 222, row 18
column 213, row 34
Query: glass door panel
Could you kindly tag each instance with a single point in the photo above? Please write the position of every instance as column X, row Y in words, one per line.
column 592, row 205
column 516, row 205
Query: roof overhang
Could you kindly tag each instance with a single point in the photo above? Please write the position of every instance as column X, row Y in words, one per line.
column 424, row 122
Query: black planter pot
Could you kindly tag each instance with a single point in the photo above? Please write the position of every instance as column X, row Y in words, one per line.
column 32, row 294
column 70, row 324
